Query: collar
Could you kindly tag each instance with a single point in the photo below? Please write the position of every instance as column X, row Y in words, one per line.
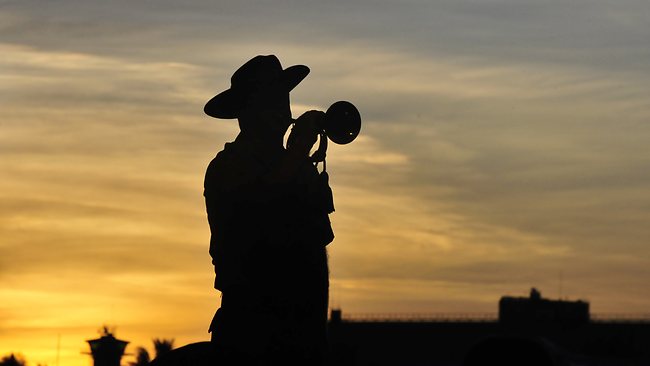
column 257, row 149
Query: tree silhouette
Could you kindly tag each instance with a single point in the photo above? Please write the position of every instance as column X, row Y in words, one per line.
column 141, row 357
column 163, row 346
column 13, row 360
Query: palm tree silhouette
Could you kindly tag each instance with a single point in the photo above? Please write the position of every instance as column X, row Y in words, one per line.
column 162, row 346
column 13, row 360
column 141, row 357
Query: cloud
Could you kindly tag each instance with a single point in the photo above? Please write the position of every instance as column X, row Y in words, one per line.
column 482, row 147
column 503, row 143
column 553, row 32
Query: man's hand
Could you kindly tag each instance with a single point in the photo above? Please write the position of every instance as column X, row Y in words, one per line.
column 304, row 133
column 301, row 139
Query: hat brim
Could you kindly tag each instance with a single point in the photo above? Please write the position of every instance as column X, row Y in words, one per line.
column 228, row 104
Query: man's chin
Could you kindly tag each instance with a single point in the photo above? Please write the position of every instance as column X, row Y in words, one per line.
column 283, row 124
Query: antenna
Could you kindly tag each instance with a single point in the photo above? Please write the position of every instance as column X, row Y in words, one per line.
column 58, row 348
column 560, row 280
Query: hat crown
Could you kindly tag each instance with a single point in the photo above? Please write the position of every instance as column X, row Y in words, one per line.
column 260, row 70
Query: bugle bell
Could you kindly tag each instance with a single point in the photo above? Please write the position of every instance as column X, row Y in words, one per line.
column 341, row 123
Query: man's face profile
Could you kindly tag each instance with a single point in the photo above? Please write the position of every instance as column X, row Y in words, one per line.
column 267, row 110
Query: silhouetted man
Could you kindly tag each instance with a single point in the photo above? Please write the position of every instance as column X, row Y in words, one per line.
column 268, row 216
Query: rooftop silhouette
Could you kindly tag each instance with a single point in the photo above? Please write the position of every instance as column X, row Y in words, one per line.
column 107, row 350
column 528, row 331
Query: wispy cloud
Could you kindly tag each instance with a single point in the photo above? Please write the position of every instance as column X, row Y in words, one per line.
column 503, row 143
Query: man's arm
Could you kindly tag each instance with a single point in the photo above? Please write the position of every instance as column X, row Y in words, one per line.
column 302, row 138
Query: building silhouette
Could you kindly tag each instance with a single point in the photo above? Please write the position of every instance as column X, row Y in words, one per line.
column 528, row 331
column 536, row 310
column 107, row 350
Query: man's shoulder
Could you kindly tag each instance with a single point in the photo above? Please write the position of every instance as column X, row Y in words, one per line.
column 229, row 168
column 223, row 159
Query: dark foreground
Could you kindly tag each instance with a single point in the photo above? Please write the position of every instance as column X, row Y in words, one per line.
column 462, row 343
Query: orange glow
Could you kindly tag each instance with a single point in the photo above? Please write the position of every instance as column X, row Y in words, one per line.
column 471, row 179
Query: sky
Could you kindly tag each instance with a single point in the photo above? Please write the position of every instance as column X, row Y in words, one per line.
column 503, row 146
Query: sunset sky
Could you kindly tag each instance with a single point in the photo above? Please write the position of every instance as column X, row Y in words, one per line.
column 504, row 145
